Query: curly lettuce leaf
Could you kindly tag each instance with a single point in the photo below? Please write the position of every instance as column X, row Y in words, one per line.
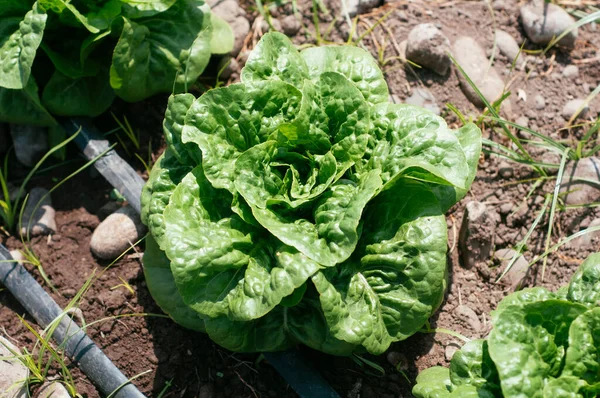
column 157, row 270
column 173, row 125
column 155, row 54
column 585, row 283
column 413, row 141
column 473, row 366
column 143, row 8
column 166, row 174
column 387, row 293
column 583, row 354
column 227, row 121
column 528, row 344
column 20, row 38
column 275, row 58
column 356, row 64
column 219, row 266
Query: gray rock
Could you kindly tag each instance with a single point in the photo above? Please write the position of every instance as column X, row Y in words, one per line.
column 41, row 222
column 587, row 241
column 30, row 142
column 522, row 121
column 355, row 7
column 429, row 47
column 517, row 273
column 264, row 25
column 290, row 25
column 422, row 97
column 117, row 233
column 53, row 390
column 571, row 71
column 505, row 170
column 227, row 67
column 499, row 5
column 540, row 102
column 450, row 351
column 572, row 107
column 230, row 11
column 471, row 57
column 12, row 372
column 507, row 45
column 467, row 315
column 476, row 234
column 581, row 192
column 543, row 21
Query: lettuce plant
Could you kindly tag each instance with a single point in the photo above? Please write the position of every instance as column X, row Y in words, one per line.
column 543, row 344
column 71, row 57
column 300, row 206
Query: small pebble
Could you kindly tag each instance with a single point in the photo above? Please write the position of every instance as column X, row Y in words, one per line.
column 116, row 233
column 429, row 47
column 570, row 71
column 543, row 21
column 42, row 222
column 12, row 372
column 572, row 107
column 290, row 25
column 53, row 390
column 540, row 102
column 30, row 143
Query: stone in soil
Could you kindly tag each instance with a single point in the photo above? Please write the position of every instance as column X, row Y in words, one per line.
column 543, row 21
column 117, row 233
column 290, row 25
column 507, row 45
column 12, row 372
column 469, row 317
column 42, row 221
column 540, row 102
column 429, row 47
column 235, row 16
column 580, row 192
column 572, row 107
column 53, row 390
column 571, row 71
column 424, row 98
column 30, row 143
column 589, row 241
column 476, row 234
column 471, row 57
column 518, row 271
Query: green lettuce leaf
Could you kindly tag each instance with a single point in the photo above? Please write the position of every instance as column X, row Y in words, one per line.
column 24, row 106
column 143, row 8
column 227, row 121
column 585, row 284
column 388, row 293
column 19, row 41
column 155, row 54
column 354, row 63
column 162, row 287
column 84, row 96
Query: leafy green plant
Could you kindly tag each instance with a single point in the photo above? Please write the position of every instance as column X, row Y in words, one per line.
column 71, row 57
column 543, row 344
column 300, row 206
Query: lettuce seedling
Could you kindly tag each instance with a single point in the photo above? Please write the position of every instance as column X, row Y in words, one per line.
column 79, row 54
column 300, row 206
column 543, row 344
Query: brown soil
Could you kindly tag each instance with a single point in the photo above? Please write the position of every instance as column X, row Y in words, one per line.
column 186, row 364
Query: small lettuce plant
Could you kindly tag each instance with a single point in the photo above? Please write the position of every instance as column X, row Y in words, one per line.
column 71, row 57
column 542, row 345
column 300, row 206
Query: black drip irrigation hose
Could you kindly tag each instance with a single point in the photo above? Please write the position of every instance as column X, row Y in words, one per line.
column 77, row 345
column 296, row 371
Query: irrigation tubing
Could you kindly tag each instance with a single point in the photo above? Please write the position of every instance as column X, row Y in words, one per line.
column 291, row 365
column 78, row 346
